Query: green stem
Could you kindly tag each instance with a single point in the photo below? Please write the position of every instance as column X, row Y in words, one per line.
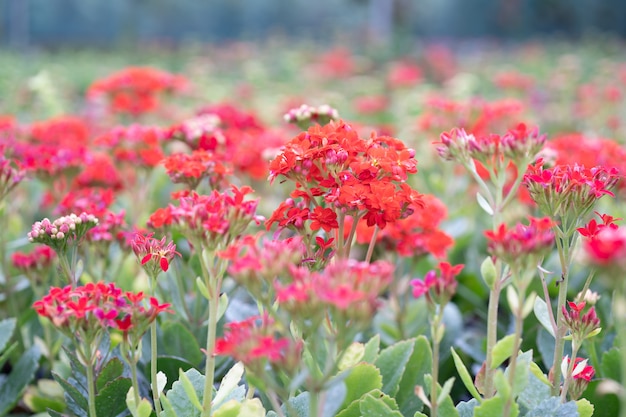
column 583, row 292
column 567, row 379
column 492, row 336
column 517, row 342
column 619, row 317
column 91, row 387
column 562, row 244
column 314, row 398
column 133, row 374
column 435, row 336
column 153, row 368
column 370, row 248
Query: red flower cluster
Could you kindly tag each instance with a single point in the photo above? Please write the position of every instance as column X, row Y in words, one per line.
column 604, row 245
column 403, row 74
column 135, row 90
column 153, row 254
column 439, row 289
column 256, row 266
column 135, row 145
column 95, row 306
column 568, row 188
column 515, row 245
column 232, row 135
column 582, row 374
column 416, row 235
column 361, row 178
column 347, row 287
column 40, row 258
column 192, row 169
column 216, row 219
column 477, row 117
column 253, row 342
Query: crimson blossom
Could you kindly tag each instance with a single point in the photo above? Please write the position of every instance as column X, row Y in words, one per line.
column 337, row 174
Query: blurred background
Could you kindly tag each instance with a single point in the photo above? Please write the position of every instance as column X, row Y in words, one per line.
column 114, row 23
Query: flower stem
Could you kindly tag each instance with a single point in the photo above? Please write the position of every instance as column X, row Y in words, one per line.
column 492, row 336
column 562, row 244
column 370, row 248
column 153, row 368
column 91, row 387
column 436, row 332
column 619, row 317
column 517, row 342
column 567, row 379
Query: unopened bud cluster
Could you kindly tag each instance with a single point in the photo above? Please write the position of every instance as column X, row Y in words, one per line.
column 581, row 326
column 58, row 233
column 306, row 115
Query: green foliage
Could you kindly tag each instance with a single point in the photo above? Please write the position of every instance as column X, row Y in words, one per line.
column 465, row 375
column 502, row 350
column 362, row 379
column 181, row 343
column 611, row 363
column 12, row 388
column 177, row 398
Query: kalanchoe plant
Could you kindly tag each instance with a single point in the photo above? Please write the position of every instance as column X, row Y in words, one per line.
column 305, row 115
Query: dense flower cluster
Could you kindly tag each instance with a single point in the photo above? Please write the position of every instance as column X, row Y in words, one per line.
column 215, row 219
column 361, row 178
column 518, row 145
column 348, row 288
column 94, row 306
column 254, row 342
column 135, row 90
column 191, row 169
column 66, row 229
column 40, row 258
column 418, row 234
column 521, row 243
column 567, row 189
column 135, row 145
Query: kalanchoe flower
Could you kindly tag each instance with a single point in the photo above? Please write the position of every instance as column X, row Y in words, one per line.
column 11, row 175
column 215, row 219
column 606, row 250
column 255, row 343
column 582, row 374
column 40, row 258
column 522, row 244
column 153, row 254
column 346, row 288
column 591, row 229
column 305, row 115
column 85, row 311
column 568, row 189
column 581, row 326
column 64, row 231
column 438, row 289
column 192, row 169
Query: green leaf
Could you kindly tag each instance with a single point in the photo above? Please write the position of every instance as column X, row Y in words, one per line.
column 494, row 407
column 76, row 400
column 610, row 364
column 228, row 409
column 371, row 349
column 420, row 363
column 7, row 326
column 522, row 372
column 392, row 363
column 465, row 375
column 7, row 354
column 189, row 390
column 222, row 305
column 169, row 366
column 552, row 407
column 446, row 406
column 252, row 408
column 181, row 343
column 113, row 369
column 445, row 390
column 111, row 400
column 143, row 409
column 466, row 409
column 180, row 403
column 502, row 350
column 484, row 204
column 541, row 312
column 585, row 408
column 22, row 373
column 362, row 379
column 297, row 406
column 229, row 383
column 488, row 271
column 202, row 288
column 535, row 392
column 352, row 356
column 371, row 406
column 335, row 396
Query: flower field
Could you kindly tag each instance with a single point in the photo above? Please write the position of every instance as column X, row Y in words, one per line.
column 280, row 230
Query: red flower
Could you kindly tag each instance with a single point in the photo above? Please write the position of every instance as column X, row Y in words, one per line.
column 149, row 249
